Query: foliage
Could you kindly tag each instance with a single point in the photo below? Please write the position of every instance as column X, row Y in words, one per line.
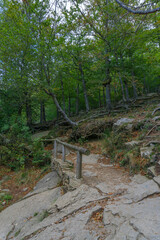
column 19, row 151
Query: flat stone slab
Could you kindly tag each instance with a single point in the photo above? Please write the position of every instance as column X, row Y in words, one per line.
column 49, row 181
column 138, row 178
column 91, row 159
column 87, row 173
column 136, row 221
column 74, row 200
column 137, row 192
column 104, row 188
column 19, row 212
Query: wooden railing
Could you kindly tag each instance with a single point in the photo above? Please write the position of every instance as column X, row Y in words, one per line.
column 80, row 151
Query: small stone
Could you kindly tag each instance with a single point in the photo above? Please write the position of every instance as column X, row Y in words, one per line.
column 146, row 151
column 152, row 171
column 5, row 190
column 123, row 121
column 25, row 189
column 156, row 118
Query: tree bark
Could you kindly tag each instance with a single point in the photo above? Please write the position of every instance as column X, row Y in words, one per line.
column 42, row 113
column 104, row 97
column 63, row 97
column 108, row 97
column 69, row 105
column 126, row 90
column 77, row 100
column 73, row 124
column 122, row 87
column 28, row 111
column 84, row 88
column 99, row 96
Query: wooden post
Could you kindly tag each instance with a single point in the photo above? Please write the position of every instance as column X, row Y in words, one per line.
column 63, row 153
column 79, row 165
column 55, row 149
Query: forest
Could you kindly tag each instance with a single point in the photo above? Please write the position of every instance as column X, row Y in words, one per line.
column 59, row 59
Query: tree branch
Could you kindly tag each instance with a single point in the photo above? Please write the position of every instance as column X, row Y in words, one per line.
column 137, row 11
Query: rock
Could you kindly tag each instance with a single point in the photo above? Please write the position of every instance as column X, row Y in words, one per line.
column 146, row 152
column 132, row 144
column 5, row 190
column 24, row 209
column 151, row 171
column 91, row 159
column 49, row 181
column 135, row 221
column 87, row 173
column 157, row 168
column 157, row 180
column 137, row 192
column 74, row 200
column 25, row 189
column 156, row 118
column 104, row 188
column 126, row 122
column 138, row 178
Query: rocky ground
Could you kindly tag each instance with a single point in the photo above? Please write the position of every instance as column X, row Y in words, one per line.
column 110, row 206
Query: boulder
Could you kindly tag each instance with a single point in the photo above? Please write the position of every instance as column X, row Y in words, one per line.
column 127, row 123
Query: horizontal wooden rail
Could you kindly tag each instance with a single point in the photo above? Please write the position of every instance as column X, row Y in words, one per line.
column 79, row 151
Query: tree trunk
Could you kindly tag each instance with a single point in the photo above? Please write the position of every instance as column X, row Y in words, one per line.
column 99, row 96
column 69, row 105
column 104, row 97
column 28, row 111
column 108, row 97
column 63, row 97
column 77, row 100
column 145, row 85
column 73, row 124
column 134, row 90
column 126, row 90
column 84, row 88
column 42, row 113
column 122, row 87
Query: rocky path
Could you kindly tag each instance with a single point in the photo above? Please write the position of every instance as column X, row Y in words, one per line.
column 109, row 205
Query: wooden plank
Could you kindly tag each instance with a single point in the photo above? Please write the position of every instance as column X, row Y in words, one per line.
column 79, row 165
column 73, row 147
column 63, row 153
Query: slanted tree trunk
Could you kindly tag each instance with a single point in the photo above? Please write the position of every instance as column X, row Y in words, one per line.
column 84, row 88
column 77, row 100
column 42, row 113
column 73, row 124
